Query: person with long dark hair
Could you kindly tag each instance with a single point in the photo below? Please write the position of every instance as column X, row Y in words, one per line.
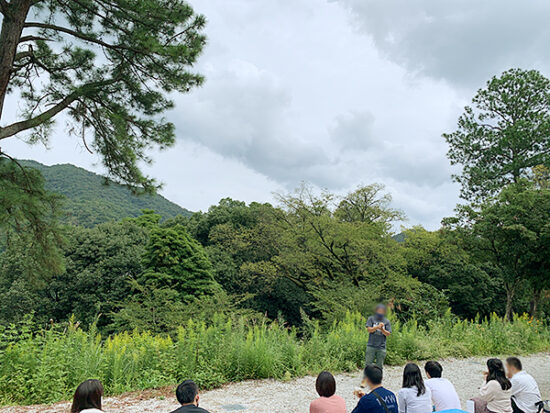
column 328, row 401
column 495, row 393
column 414, row 397
column 87, row 397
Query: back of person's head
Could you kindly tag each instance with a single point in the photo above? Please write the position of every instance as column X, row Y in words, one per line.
column 515, row 363
column 496, row 372
column 325, row 384
column 412, row 377
column 373, row 374
column 87, row 396
column 187, row 392
column 433, row 368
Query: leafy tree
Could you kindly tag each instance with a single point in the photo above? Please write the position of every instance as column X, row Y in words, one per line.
column 437, row 259
column 510, row 233
column 368, row 204
column 99, row 263
column 176, row 261
column 504, row 134
column 320, row 247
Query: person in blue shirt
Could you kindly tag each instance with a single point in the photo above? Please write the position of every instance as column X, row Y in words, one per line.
column 379, row 399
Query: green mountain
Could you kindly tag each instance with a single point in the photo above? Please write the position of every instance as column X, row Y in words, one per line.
column 90, row 199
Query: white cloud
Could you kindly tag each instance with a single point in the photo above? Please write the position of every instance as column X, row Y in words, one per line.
column 464, row 42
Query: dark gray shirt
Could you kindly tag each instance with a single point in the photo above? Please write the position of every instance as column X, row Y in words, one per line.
column 377, row 339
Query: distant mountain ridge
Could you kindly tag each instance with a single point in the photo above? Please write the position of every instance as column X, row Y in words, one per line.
column 89, row 201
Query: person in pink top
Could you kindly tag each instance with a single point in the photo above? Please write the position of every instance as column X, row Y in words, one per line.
column 328, row 402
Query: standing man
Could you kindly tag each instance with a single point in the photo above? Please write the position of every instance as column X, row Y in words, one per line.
column 379, row 328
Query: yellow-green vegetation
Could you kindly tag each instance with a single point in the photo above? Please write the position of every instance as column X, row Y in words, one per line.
column 47, row 366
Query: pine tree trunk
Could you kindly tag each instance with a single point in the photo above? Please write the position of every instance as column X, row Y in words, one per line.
column 10, row 35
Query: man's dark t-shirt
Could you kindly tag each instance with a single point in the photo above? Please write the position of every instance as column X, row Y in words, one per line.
column 191, row 408
column 369, row 403
column 377, row 339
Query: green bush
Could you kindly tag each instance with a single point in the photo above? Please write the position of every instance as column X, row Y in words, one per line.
column 46, row 366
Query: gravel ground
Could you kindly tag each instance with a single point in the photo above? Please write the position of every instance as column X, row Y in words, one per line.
column 263, row 396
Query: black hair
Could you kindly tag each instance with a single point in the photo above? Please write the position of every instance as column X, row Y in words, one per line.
column 433, row 368
column 373, row 373
column 186, row 392
column 514, row 362
column 496, row 372
column 87, row 396
column 325, row 384
column 413, row 377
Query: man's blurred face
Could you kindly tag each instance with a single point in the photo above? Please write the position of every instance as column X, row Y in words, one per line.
column 380, row 313
column 510, row 370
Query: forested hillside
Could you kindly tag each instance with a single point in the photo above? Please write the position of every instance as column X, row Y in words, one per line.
column 90, row 199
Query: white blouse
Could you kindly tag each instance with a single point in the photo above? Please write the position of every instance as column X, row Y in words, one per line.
column 409, row 401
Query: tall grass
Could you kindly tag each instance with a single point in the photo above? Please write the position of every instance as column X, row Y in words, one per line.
column 46, row 366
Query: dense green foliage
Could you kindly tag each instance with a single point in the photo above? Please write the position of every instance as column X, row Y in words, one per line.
column 90, row 199
column 48, row 365
column 504, row 135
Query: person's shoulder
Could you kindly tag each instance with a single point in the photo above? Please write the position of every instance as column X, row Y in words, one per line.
column 316, row 402
column 386, row 391
column 403, row 390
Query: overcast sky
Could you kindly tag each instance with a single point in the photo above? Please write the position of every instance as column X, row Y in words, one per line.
column 333, row 92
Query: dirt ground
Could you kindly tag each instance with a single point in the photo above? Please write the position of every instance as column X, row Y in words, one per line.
column 263, row 396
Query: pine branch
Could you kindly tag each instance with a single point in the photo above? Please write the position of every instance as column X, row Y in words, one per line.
column 45, row 116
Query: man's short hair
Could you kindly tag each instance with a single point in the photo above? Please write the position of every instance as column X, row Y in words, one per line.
column 325, row 384
column 373, row 373
column 186, row 392
column 514, row 362
column 433, row 368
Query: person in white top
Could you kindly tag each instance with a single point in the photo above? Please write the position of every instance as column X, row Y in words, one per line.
column 525, row 391
column 87, row 397
column 495, row 393
column 444, row 395
column 414, row 397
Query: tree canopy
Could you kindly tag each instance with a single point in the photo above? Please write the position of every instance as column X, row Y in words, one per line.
column 504, row 134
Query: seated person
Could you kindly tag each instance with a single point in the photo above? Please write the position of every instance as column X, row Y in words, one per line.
column 495, row 393
column 187, row 394
column 87, row 397
column 444, row 395
column 525, row 391
column 328, row 402
column 379, row 399
column 414, row 397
